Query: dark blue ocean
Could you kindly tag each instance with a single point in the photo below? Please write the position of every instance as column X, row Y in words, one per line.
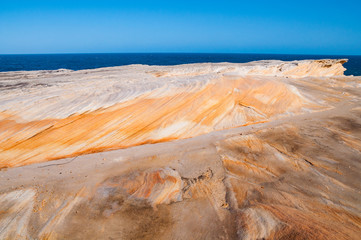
column 87, row 61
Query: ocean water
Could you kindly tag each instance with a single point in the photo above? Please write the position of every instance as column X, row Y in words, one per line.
column 18, row 62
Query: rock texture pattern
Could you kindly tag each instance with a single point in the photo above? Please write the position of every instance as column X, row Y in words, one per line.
column 52, row 115
column 263, row 150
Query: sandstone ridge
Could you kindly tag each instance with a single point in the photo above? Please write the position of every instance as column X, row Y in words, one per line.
column 46, row 115
column 261, row 150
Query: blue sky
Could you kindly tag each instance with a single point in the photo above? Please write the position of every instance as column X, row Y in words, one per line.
column 259, row 26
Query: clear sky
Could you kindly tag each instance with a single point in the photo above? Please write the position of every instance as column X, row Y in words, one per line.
column 253, row 26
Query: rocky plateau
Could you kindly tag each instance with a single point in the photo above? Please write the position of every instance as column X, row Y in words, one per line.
column 259, row 150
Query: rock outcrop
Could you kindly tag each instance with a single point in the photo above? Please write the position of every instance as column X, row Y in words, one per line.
column 263, row 150
column 47, row 116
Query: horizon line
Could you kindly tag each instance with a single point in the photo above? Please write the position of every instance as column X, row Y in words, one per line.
column 69, row 53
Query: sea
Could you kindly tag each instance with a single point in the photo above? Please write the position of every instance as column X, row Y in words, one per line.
column 28, row 62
